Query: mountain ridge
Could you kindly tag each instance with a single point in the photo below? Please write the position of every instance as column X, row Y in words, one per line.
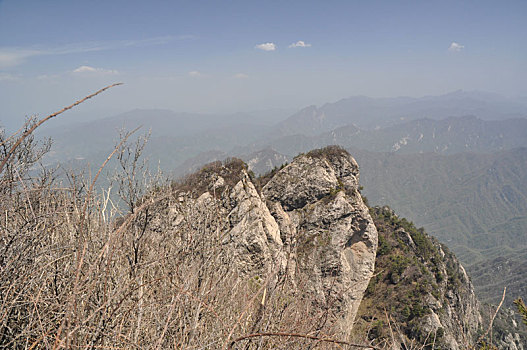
column 369, row 113
column 420, row 187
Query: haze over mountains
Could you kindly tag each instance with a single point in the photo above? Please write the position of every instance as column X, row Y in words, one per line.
column 367, row 123
column 447, row 136
column 455, row 164
column 366, row 112
column 474, row 203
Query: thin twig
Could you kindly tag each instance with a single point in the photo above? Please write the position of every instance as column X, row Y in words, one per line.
column 26, row 193
column 389, row 326
column 16, row 133
column 90, row 191
column 492, row 319
column 296, row 335
column 28, row 132
column 172, row 307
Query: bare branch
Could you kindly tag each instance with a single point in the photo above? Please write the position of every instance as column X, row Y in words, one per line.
column 493, row 317
column 30, row 131
column 296, row 335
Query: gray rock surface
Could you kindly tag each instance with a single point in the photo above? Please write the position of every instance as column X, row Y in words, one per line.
column 308, row 224
column 320, row 211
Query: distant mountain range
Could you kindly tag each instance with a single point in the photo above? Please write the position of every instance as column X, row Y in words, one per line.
column 173, row 141
column 452, row 163
column 368, row 123
column 370, row 113
column 174, row 137
column 447, row 136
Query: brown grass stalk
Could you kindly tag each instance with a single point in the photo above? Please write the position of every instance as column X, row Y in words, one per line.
column 484, row 335
column 42, row 121
column 297, row 335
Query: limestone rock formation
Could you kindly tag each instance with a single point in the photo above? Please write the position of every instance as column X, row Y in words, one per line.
column 317, row 203
column 307, row 225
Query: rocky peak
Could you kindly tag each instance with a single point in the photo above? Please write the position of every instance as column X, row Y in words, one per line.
column 313, row 176
column 305, row 230
column 323, row 219
column 307, row 226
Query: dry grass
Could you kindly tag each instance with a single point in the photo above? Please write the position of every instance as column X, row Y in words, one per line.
column 73, row 275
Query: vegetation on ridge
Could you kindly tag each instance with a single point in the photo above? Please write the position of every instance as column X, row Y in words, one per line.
column 71, row 275
column 413, row 274
column 74, row 272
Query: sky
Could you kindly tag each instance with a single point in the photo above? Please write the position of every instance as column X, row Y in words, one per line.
column 231, row 56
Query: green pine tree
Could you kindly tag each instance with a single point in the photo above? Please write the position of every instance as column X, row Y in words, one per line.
column 522, row 309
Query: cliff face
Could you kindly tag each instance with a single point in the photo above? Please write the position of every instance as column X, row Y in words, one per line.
column 304, row 236
column 306, row 226
column 327, row 229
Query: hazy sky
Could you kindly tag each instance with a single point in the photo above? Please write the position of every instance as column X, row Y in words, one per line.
column 226, row 56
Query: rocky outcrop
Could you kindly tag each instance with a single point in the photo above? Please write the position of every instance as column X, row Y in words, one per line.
column 222, row 200
column 307, row 224
column 333, row 240
column 458, row 305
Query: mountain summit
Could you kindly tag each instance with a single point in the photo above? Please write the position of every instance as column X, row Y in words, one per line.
column 224, row 260
column 304, row 234
column 305, row 226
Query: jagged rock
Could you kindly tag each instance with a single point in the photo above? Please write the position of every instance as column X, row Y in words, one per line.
column 309, row 226
column 462, row 307
column 335, row 238
column 406, row 238
column 313, row 176
column 254, row 233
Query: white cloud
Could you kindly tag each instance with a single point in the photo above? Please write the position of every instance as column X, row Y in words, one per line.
column 299, row 43
column 241, row 76
column 84, row 69
column 266, row 46
column 8, row 77
column 455, row 47
column 14, row 56
column 88, row 69
column 195, row 74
